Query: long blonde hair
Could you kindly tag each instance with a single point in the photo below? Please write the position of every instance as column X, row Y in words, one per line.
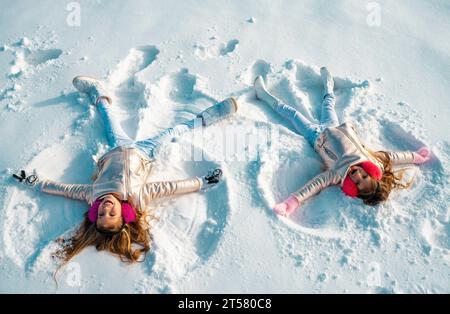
column 390, row 180
column 122, row 244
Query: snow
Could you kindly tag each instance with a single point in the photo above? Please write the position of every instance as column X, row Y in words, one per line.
column 391, row 78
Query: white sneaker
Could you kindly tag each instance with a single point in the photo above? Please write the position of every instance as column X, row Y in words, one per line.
column 219, row 111
column 262, row 93
column 327, row 79
column 94, row 88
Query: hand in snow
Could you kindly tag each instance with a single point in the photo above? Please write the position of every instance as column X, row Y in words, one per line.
column 422, row 155
column 22, row 177
column 211, row 179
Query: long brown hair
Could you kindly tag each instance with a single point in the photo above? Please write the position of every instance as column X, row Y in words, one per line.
column 130, row 244
column 390, row 180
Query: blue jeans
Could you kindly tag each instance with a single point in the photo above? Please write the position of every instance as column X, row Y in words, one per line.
column 116, row 136
column 306, row 128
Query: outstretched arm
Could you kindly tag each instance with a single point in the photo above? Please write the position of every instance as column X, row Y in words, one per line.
column 311, row 188
column 408, row 157
column 154, row 190
column 81, row 192
column 401, row 158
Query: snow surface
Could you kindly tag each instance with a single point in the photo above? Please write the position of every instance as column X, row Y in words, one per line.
column 164, row 62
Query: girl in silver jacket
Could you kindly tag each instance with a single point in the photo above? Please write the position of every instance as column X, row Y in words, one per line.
column 121, row 191
column 359, row 171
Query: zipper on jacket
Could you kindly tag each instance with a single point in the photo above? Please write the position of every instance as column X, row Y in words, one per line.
column 321, row 144
column 360, row 147
column 330, row 154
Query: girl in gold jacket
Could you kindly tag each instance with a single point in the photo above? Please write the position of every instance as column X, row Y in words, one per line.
column 121, row 191
column 359, row 171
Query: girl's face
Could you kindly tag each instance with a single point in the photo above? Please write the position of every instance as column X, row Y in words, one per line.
column 360, row 177
column 109, row 212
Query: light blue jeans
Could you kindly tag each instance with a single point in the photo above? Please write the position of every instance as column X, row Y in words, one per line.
column 306, row 128
column 116, row 136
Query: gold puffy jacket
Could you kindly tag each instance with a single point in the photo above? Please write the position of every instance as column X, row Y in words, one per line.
column 125, row 172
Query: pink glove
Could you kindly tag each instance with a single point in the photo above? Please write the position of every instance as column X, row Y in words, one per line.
column 422, row 155
column 287, row 207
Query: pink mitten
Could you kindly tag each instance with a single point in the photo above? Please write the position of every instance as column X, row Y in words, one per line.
column 287, row 207
column 422, row 155
column 280, row 209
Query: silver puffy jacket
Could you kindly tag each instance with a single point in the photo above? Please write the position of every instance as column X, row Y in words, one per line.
column 340, row 148
column 125, row 172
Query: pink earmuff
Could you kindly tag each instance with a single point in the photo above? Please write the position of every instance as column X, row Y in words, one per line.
column 128, row 212
column 93, row 210
column 372, row 170
column 349, row 187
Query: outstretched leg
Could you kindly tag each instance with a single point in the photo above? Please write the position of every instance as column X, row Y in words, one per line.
column 207, row 117
column 115, row 134
column 306, row 128
column 151, row 145
column 218, row 111
column 328, row 115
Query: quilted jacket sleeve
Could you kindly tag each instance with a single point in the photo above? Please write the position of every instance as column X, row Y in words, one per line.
column 74, row 191
column 317, row 184
column 154, row 190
